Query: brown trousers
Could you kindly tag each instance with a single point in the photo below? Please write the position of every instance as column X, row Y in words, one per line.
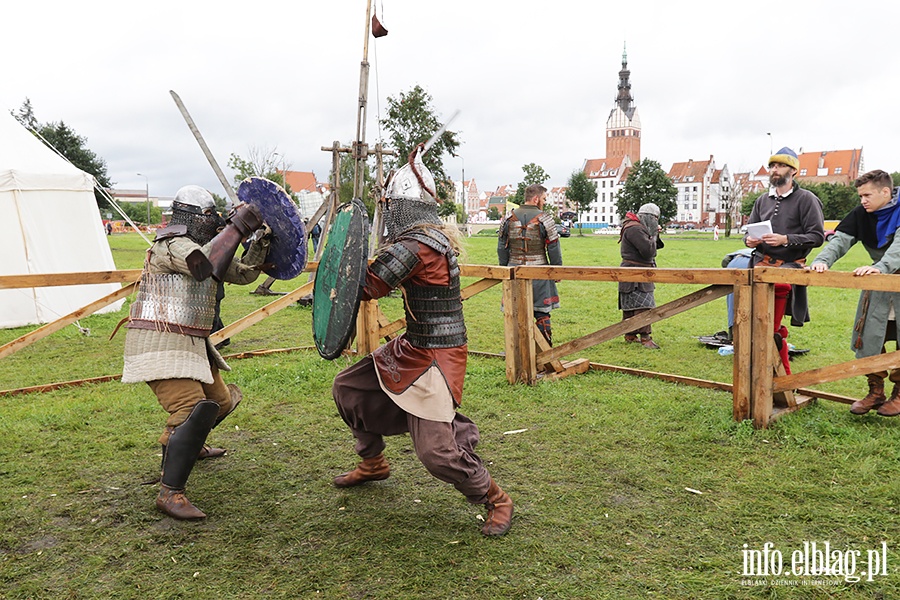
column 645, row 330
column 179, row 396
column 447, row 450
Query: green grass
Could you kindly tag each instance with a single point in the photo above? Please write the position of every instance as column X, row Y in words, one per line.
column 598, row 478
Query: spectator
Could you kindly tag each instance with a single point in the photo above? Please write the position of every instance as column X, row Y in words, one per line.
column 639, row 240
column 874, row 223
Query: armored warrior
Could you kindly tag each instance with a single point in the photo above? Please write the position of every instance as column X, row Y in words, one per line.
column 414, row 383
column 528, row 236
column 167, row 342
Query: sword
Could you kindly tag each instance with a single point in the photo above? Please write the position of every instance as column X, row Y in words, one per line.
column 438, row 133
column 212, row 161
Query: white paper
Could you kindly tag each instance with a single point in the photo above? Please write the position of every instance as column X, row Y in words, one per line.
column 757, row 230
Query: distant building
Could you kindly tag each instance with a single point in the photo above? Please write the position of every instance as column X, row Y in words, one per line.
column 310, row 193
column 623, row 127
column 623, row 150
column 831, row 166
column 608, row 177
column 698, row 197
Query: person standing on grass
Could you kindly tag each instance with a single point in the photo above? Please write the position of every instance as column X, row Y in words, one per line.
column 414, row 383
column 528, row 236
column 638, row 242
column 167, row 342
column 873, row 223
column 797, row 228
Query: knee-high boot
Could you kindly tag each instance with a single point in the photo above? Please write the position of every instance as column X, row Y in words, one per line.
column 179, row 456
column 875, row 397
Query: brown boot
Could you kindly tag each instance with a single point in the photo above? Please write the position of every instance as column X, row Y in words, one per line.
column 647, row 342
column 175, row 504
column 875, row 397
column 500, row 511
column 891, row 408
column 210, row 452
column 630, row 337
column 370, row 469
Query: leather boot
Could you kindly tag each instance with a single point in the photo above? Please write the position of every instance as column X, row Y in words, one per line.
column 891, row 408
column 175, row 504
column 630, row 337
column 875, row 397
column 235, row 398
column 210, row 452
column 647, row 342
column 500, row 511
column 370, row 469
column 179, row 456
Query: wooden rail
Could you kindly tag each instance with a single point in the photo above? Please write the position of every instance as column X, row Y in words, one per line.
column 760, row 389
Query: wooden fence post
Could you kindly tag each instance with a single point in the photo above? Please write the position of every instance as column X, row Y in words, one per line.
column 518, row 315
column 761, row 375
column 367, row 328
column 742, row 341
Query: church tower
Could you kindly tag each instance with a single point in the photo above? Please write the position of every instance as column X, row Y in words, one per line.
column 623, row 127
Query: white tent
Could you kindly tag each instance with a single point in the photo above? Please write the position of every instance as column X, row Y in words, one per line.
column 49, row 223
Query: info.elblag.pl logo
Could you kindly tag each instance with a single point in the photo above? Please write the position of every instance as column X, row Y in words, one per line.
column 814, row 559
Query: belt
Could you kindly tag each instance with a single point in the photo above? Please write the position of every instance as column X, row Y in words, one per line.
column 770, row 261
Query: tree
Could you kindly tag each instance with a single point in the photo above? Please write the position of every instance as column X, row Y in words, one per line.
column 581, row 192
column 896, row 177
column 411, row 120
column 346, row 183
column 837, row 199
column 647, row 182
column 493, row 214
column 748, row 202
column 62, row 138
column 263, row 162
column 534, row 174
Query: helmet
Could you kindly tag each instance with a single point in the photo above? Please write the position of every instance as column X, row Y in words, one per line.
column 409, row 197
column 195, row 207
column 650, row 209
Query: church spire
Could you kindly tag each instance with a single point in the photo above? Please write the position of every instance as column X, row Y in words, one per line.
column 624, row 99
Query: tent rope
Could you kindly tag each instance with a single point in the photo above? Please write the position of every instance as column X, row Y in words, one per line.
column 96, row 185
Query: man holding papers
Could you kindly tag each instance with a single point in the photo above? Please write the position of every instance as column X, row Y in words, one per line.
column 795, row 228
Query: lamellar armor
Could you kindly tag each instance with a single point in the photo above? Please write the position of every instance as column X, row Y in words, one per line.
column 524, row 240
column 434, row 315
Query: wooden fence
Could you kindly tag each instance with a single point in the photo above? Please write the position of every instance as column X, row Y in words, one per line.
column 760, row 388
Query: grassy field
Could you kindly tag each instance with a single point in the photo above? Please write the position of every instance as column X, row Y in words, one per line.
column 605, row 477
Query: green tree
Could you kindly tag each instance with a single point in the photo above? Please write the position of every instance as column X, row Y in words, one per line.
column 838, row 199
column 346, row 182
column 896, row 177
column 533, row 174
column 262, row 162
column 581, row 192
column 647, row 182
column 63, row 139
column 411, row 120
column 493, row 214
column 748, row 202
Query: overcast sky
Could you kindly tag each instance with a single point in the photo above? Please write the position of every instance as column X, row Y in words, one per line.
column 534, row 81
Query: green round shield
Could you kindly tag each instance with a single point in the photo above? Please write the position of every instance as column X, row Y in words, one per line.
column 339, row 279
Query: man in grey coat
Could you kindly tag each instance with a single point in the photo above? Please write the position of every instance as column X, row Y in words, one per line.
column 874, row 223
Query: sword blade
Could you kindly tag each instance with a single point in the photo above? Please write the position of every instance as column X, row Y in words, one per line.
column 212, row 161
column 439, row 132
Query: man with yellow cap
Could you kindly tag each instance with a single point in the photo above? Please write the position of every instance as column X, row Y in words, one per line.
column 797, row 228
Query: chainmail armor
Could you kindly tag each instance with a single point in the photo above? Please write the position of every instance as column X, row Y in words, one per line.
column 174, row 302
column 403, row 214
column 201, row 228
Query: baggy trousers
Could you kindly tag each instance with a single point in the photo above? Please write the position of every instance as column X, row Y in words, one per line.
column 447, row 450
column 179, row 396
